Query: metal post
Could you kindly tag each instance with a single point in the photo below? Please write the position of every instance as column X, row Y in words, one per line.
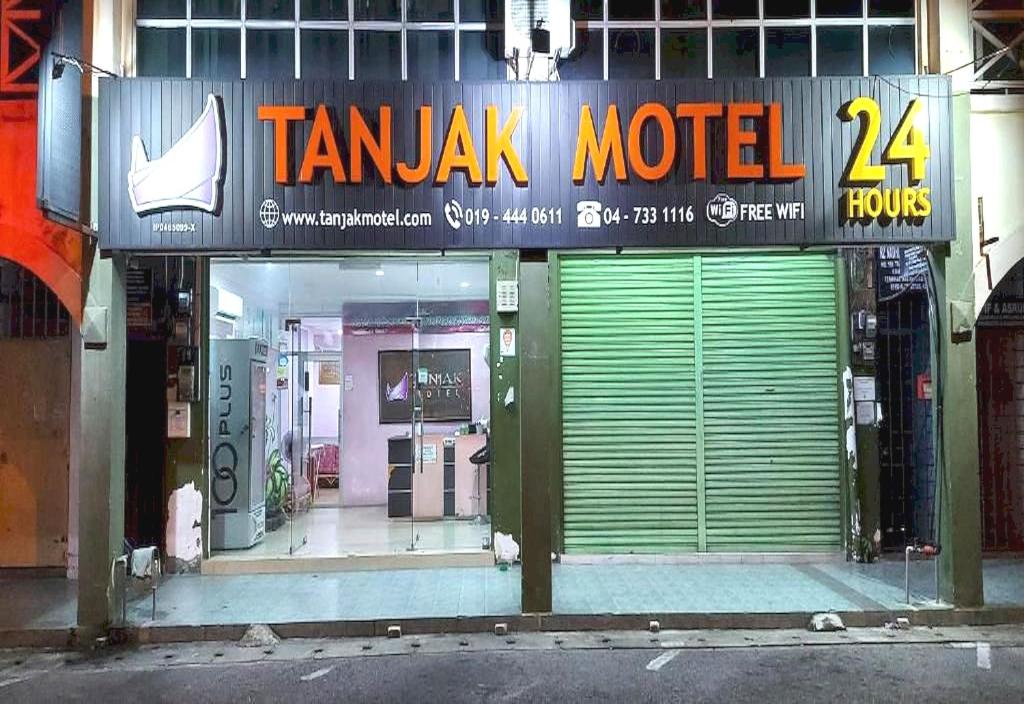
column 906, row 574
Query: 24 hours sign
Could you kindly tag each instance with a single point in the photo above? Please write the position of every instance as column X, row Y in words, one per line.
column 302, row 165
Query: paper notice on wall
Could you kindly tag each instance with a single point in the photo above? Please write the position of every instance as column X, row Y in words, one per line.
column 349, row 382
column 865, row 412
column 430, row 453
column 864, row 388
column 507, row 341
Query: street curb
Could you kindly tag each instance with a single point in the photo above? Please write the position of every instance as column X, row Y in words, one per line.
column 531, row 623
column 524, row 623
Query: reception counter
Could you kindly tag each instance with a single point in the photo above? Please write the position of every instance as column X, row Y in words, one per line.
column 445, row 483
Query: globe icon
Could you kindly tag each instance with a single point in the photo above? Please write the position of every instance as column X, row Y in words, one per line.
column 270, row 213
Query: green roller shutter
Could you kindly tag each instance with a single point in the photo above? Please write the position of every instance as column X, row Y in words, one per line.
column 629, row 432
column 699, row 403
column 771, row 446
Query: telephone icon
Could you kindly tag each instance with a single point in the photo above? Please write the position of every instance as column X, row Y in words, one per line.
column 588, row 213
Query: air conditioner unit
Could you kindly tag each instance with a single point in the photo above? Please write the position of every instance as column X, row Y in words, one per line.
column 523, row 17
column 226, row 305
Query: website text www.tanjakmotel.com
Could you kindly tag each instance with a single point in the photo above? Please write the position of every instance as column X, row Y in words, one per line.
column 356, row 218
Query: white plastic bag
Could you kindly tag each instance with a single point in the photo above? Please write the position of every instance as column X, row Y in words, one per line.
column 506, row 549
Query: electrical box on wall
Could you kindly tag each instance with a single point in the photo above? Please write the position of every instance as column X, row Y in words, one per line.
column 187, row 379
column 507, row 296
column 179, row 420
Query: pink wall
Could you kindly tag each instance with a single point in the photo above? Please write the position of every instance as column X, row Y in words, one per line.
column 364, row 459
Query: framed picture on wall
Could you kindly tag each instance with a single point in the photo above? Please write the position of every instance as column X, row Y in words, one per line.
column 447, row 392
column 330, row 373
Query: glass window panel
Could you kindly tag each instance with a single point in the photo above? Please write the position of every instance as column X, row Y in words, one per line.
column 270, row 53
column 587, row 9
column 430, row 11
column 431, row 55
column 787, row 51
column 891, row 50
column 270, row 9
column 324, row 10
column 156, row 9
column 840, row 51
column 786, row 9
column 684, row 9
column 735, row 53
column 631, row 53
column 160, row 52
column 324, row 53
column 733, row 9
column 587, row 59
column 839, row 8
column 684, row 53
column 890, row 8
column 217, row 9
column 378, row 56
column 217, row 53
column 630, row 10
column 481, row 11
column 482, row 56
column 378, row 10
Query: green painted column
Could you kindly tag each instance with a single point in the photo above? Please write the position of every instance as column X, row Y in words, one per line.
column 861, row 294
column 186, row 458
column 102, row 412
column 505, row 439
column 540, row 452
column 958, row 488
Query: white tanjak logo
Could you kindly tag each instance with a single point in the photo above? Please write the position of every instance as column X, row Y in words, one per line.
column 189, row 175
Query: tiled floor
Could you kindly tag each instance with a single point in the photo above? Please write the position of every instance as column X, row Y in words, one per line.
column 477, row 591
column 273, row 598
column 44, row 602
column 330, row 531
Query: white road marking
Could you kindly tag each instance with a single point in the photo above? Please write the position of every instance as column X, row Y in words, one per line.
column 984, row 656
column 316, row 675
column 12, row 680
column 662, row 660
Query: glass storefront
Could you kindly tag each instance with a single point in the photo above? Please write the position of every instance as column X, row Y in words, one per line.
column 370, row 379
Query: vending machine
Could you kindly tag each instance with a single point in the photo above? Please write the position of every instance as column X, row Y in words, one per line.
column 238, row 391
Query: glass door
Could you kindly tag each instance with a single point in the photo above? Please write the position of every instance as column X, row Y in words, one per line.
column 301, row 488
column 420, row 484
column 326, row 416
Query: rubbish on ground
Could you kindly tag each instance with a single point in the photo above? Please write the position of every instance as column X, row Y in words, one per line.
column 259, row 635
column 826, row 622
column 506, row 549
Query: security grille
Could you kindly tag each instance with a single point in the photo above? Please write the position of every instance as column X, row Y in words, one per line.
column 28, row 308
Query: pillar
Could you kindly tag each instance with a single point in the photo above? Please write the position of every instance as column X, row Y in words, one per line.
column 541, row 426
column 102, row 442
column 950, row 50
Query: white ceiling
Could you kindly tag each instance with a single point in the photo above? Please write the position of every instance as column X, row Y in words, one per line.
column 321, row 287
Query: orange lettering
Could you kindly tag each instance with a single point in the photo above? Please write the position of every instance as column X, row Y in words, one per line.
column 499, row 146
column 321, row 150
column 660, row 114
column 281, row 115
column 379, row 151
column 417, row 174
column 458, row 152
column 776, row 167
column 700, row 112
column 739, row 138
column 611, row 145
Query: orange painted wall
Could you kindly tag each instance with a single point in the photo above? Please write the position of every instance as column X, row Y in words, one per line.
column 50, row 251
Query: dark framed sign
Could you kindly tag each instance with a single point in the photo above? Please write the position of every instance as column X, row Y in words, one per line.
column 312, row 165
column 447, row 391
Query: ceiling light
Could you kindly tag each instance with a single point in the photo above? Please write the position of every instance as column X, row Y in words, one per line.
column 464, row 284
column 379, row 272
